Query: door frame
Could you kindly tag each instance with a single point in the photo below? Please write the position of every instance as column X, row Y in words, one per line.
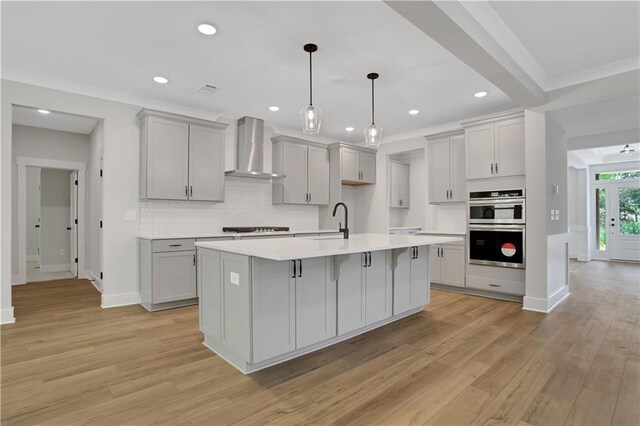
column 23, row 163
column 73, row 215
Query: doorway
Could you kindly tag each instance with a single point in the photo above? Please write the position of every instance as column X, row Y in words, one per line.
column 52, row 234
column 617, row 215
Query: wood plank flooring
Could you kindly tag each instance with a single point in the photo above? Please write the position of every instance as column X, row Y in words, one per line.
column 466, row 360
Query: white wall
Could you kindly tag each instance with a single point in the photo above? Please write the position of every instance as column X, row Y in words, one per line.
column 33, row 212
column 40, row 143
column 556, row 170
column 55, row 253
column 578, row 212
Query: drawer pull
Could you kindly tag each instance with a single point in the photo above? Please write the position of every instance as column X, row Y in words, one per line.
column 495, row 285
column 175, row 245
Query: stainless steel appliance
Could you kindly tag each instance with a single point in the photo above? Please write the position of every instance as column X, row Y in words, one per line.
column 497, row 228
column 250, row 150
column 495, row 207
column 249, row 229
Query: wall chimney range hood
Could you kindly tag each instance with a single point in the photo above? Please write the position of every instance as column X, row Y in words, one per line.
column 250, row 150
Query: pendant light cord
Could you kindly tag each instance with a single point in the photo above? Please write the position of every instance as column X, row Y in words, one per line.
column 373, row 120
column 310, row 80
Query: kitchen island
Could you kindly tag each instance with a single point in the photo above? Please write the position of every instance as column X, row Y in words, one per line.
column 266, row 301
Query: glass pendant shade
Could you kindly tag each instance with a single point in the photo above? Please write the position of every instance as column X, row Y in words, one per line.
column 373, row 135
column 311, row 117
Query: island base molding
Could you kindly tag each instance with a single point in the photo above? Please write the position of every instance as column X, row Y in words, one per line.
column 476, row 292
column 247, row 368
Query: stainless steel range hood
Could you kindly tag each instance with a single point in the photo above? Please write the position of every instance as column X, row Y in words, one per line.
column 250, row 150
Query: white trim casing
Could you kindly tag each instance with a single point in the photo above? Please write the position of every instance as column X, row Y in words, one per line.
column 122, row 299
column 23, row 163
column 6, row 316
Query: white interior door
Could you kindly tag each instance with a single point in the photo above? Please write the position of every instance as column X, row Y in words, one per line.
column 624, row 220
column 73, row 217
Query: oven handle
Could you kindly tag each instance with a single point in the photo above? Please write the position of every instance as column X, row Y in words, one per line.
column 507, row 228
column 485, row 201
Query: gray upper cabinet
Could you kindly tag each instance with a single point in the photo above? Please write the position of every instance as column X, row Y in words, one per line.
column 447, row 169
column 306, row 169
column 399, row 184
column 495, row 148
column 357, row 164
column 181, row 158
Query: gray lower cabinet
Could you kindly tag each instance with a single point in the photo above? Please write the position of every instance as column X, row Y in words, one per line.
column 364, row 290
column 447, row 264
column 410, row 278
column 167, row 273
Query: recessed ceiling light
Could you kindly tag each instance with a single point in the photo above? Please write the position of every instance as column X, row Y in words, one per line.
column 160, row 80
column 349, row 129
column 274, row 108
column 207, row 29
column 414, row 111
column 480, row 94
column 44, row 111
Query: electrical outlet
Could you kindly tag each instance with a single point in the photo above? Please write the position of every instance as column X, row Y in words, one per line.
column 553, row 216
column 62, row 252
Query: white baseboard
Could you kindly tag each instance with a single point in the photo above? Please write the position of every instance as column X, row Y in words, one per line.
column 545, row 305
column 55, row 268
column 121, row 299
column 94, row 280
column 6, row 316
column 16, row 280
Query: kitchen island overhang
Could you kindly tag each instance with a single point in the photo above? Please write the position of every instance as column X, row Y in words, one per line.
column 264, row 302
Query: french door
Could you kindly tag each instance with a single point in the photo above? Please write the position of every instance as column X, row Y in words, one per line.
column 624, row 220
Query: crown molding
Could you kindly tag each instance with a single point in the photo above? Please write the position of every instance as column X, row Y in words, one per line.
column 109, row 95
column 604, row 71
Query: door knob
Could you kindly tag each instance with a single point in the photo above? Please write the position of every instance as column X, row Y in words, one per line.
column 68, row 228
column 37, row 226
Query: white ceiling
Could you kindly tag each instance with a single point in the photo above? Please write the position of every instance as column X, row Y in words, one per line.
column 569, row 37
column 600, row 117
column 608, row 154
column 256, row 59
column 54, row 120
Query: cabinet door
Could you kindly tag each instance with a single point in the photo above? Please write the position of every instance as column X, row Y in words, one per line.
column 435, row 275
column 206, row 164
column 318, row 175
column 403, row 185
column 510, row 147
column 315, row 303
column 394, row 184
column 453, row 263
column 295, row 169
column 174, row 276
column 273, row 308
column 401, row 280
column 420, row 278
column 167, row 159
column 458, row 177
column 377, row 290
column 350, row 293
column 350, row 164
column 480, row 151
column 439, row 171
column 368, row 167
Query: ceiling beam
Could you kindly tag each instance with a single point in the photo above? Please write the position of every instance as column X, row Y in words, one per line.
column 621, row 137
column 451, row 25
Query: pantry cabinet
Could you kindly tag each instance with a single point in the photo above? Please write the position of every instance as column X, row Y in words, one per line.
column 181, row 158
column 306, row 169
column 447, row 168
column 495, row 148
column 399, row 184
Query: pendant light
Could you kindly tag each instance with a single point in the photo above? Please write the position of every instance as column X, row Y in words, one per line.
column 374, row 133
column 627, row 150
column 310, row 115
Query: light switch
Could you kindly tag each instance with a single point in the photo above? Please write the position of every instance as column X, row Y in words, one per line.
column 130, row 215
column 553, row 216
column 234, row 277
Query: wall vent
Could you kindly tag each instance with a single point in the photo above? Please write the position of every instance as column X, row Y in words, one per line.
column 208, row 89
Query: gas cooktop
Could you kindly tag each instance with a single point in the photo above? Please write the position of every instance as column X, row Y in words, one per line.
column 243, row 229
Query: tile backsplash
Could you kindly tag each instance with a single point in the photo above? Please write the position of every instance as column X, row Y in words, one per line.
column 451, row 216
column 247, row 203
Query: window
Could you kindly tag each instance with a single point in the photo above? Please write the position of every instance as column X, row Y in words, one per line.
column 601, row 219
column 618, row 175
column 629, row 207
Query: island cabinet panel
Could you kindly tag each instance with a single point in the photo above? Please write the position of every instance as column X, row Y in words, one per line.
column 420, row 277
column 315, row 293
column 410, row 279
column 350, row 292
column 377, row 287
column 273, row 308
column 208, row 270
column 236, row 323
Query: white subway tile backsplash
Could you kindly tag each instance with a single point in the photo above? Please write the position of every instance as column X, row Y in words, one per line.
column 452, row 216
column 247, row 203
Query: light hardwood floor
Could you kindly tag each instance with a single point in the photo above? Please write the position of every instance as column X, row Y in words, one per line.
column 465, row 360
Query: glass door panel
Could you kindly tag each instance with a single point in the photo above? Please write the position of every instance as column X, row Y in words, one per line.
column 624, row 221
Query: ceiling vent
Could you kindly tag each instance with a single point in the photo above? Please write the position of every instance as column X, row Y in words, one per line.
column 208, row 89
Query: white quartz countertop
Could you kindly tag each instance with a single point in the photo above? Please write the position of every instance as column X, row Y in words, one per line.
column 306, row 247
column 233, row 234
column 443, row 232
column 403, row 228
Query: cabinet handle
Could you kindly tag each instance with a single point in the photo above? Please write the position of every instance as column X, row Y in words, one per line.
column 495, row 285
column 491, row 168
column 300, row 271
column 451, row 194
column 175, row 245
column 194, row 260
column 186, row 191
column 191, row 191
column 309, row 197
column 369, row 254
column 364, row 264
column 496, row 168
column 294, row 269
column 417, row 252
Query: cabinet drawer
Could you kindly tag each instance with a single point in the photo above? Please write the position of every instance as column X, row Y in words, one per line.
column 497, row 286
column 173, row 245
